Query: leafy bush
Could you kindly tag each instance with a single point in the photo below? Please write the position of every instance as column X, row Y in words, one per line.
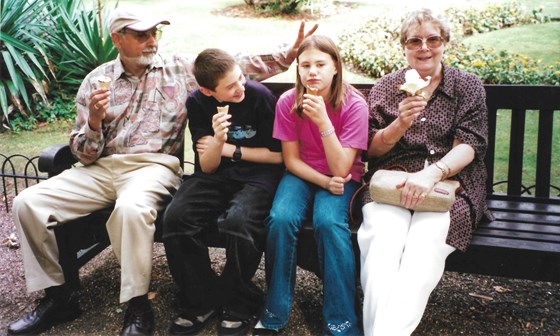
column 374, row 49
column 275, row 6
column 61, row 106
column 80, row 43
column 494, row 17
column 502, row 67
column 64, row 37
column 23, row 46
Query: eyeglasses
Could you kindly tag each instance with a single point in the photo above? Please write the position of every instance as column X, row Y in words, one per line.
column 416, row 43
column 143, row 36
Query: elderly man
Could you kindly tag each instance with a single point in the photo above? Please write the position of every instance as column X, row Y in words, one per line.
column 126, row 137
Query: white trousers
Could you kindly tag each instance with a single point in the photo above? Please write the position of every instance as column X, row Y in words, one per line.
column 138, row 184
column 402, row 260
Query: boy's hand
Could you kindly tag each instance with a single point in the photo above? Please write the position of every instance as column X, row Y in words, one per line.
column 220, row 124
column 202, row 144
column 291, row 56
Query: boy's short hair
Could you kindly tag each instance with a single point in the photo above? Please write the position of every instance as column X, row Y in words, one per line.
column 211, row 65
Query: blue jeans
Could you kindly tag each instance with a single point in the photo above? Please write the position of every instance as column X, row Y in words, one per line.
column 289, row 210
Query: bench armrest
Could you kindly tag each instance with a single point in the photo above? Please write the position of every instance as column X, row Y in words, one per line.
column 55, row 159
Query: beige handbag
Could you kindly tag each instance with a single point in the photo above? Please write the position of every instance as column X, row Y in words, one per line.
column 382, row 187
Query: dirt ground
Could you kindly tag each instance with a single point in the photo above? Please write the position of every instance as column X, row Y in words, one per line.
column 462, row 304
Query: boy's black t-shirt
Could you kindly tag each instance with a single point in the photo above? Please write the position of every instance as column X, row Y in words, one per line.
column 251, row 126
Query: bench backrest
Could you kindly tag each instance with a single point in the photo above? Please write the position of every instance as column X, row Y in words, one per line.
column 509, row 106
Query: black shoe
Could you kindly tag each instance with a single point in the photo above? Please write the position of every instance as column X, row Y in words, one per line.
column 229, row 325
column 138, row 318
column 265, row 332
column 50, row 311
column 190, row 325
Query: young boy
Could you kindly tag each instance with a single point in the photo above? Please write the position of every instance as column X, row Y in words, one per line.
column 237, row 168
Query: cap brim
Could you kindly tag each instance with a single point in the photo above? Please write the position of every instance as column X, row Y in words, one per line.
column 147, row 24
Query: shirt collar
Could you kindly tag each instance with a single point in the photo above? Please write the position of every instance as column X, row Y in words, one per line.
column 446, row 84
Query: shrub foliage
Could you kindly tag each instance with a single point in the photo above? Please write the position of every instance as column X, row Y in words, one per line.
column 47, row 46
column 374, row 48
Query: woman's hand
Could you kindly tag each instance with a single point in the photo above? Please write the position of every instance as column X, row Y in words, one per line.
column 409, row 110
column 336, row 184
column 417, row 186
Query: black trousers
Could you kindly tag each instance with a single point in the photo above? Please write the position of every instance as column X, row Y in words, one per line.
column 237, row 211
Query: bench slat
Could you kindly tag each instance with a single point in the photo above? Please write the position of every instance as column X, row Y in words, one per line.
column 543, row 218
column 516, row 144
column 525, row 206
column 529, row 237
column 515, row 244
column 522, row 226
column 544, row 154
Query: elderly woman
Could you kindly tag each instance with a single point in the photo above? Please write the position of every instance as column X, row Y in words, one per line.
column 439, row 134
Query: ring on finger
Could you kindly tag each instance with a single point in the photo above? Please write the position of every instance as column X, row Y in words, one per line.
column 422, row 195
column 96, row 106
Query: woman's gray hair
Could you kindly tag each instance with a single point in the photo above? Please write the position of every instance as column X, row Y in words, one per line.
column 417, row 17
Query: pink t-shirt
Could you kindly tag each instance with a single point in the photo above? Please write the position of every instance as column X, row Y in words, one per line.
column 350, row 125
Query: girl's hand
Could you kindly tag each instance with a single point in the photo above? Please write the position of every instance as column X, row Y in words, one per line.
column 314, row 108
column 336, row 184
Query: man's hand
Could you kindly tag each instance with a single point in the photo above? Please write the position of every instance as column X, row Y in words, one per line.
column 301, row 36
column 99, row 102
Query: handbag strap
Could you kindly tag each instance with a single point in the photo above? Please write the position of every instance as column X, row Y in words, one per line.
column 356, row 197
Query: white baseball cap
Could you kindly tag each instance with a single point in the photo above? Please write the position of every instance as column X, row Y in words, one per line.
column 126, row 19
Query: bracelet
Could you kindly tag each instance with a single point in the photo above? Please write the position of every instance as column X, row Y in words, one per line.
column 327, row 132
column 444, row 173
column 446, row 165
column 383, row 139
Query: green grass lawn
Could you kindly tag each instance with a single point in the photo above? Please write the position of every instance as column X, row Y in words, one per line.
column 530, row 148
column 540, row 41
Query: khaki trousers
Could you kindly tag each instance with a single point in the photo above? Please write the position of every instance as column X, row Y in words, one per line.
column 138, row 184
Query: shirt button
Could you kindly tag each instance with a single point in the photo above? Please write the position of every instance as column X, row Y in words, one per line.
column 432, row 152
column 423, row 119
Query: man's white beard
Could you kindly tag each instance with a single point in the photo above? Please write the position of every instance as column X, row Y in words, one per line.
column 140, row 60
column 144, row 60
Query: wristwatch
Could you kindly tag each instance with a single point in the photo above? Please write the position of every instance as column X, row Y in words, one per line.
column 236, row 154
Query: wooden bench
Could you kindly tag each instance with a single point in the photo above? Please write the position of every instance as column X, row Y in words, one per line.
column 523, row 242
